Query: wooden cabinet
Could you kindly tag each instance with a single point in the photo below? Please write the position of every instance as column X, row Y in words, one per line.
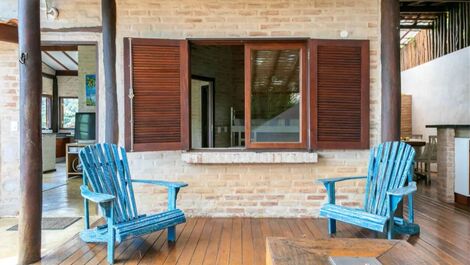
column 60, row 144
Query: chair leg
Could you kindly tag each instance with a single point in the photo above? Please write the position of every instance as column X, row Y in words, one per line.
column 331, row 226
column 428, row 173
column 171, row 234
column 390, row 229
column 111, row 239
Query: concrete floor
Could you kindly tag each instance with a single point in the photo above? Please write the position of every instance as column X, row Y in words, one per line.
column 61, row 198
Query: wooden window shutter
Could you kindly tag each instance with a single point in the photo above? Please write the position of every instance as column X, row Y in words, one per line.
column 156, row 94
column 339, row 98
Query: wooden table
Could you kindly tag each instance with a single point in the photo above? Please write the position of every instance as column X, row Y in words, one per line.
column 284, row 251
column 416, row 143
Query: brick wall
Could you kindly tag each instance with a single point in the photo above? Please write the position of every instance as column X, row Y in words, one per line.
column 446, row 164
column 247, row 190
column 9, row 135
column 68, row 86
column 251, row 190
column 47, row 82
column 86, row 66
column 224, row 190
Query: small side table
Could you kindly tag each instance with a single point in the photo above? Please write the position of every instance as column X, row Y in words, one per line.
column 71, row 158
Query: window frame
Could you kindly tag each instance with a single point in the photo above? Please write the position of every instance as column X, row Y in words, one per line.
column 61, row 113
column 48, row 111
column 275, row 45
column 308, row 112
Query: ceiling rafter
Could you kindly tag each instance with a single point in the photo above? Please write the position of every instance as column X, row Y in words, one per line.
column 55, row 60
column 70, row 58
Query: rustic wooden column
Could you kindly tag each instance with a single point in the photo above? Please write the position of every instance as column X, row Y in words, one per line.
column 108, row 16
column 30, row 132
column 390, row 57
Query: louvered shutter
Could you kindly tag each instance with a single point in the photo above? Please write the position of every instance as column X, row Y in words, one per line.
column 339, row 98
column 156, row 95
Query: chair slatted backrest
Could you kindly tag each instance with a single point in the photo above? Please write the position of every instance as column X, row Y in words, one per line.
column 389, row 166
column 106, row 169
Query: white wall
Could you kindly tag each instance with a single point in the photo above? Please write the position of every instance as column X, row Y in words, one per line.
column 440, row 91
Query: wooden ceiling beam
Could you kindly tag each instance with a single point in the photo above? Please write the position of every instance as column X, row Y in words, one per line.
column 433, row 1
column 423, row 9
column 60, row 48
column 66, row 73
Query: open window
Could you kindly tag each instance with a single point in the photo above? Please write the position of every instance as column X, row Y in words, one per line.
column 46, row 112
column 68, row 109
column 246, row 94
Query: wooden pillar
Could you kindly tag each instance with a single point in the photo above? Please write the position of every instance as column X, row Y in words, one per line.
column 30, row 132
column 390, row 57
column 108, row 14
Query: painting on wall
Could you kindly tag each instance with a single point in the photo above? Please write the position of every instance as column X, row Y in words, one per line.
column 90, row 90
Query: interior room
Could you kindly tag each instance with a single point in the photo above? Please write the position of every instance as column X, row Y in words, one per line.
column 435, row 101
column 217, row 83
column 69, row 93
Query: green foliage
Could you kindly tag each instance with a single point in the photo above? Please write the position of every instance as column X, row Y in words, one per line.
column 69, row 107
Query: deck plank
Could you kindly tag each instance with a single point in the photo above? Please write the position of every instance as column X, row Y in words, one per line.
column 210, row 257
column 236, row 242
column 223, row 255
column 445, row 237
column 247, row 242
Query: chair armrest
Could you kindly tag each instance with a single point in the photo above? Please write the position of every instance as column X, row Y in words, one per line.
column 94, row 196
column 330, row 186
column 396, row 195
column 403, row 191
column 173, row 189
column 168, row 184
column 334, row 180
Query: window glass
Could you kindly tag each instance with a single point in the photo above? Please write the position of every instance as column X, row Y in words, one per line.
column 68, row 107
column 275, row 96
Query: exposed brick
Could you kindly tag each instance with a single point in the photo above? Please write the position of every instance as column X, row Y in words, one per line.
column 225, row 189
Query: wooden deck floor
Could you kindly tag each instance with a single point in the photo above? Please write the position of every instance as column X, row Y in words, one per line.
column 445, row 232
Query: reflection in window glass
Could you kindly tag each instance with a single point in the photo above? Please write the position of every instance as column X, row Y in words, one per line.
column 68, row 108
column 275, row 96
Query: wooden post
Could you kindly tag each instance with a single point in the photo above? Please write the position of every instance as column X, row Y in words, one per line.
column 29, row 39
column 108, row 14
column 390, row 57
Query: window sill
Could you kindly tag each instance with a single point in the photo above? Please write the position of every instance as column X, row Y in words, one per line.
column 248, row 157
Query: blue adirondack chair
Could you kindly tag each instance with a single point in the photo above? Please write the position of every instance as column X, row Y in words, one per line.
column 390, row 165
column 106, row 169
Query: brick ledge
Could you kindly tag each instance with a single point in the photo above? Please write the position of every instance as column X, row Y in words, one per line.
column 195, row 157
